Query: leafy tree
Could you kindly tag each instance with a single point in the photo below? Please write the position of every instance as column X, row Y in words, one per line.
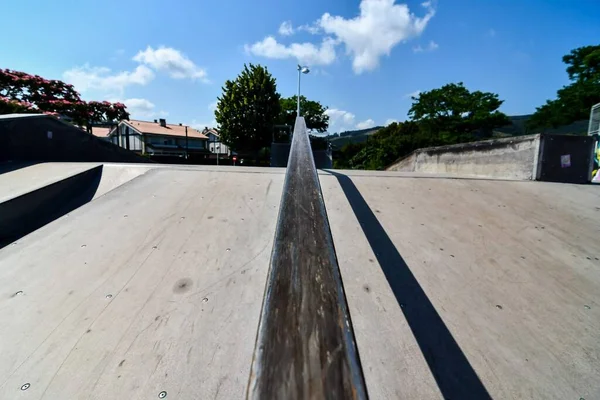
column 22, row 92
column 574, row 101
column 453, row 110
column 341, row 159
column 448, row 115
column 248, row 109
column 318, row 142
column 312, row 111
column 583, row 64
column 383, row 147
column 388, row 144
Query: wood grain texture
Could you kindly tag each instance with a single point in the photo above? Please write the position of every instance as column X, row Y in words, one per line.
column 305, row 346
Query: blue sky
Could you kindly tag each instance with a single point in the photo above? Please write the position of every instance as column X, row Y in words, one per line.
column 170, row 59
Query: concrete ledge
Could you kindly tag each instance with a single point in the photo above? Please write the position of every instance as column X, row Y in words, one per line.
column 30, row 211
column 511, row 158
column 32, row 196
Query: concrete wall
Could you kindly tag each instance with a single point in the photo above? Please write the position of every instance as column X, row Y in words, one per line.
column 511, row 158
column 30, row 211
column 44, row 138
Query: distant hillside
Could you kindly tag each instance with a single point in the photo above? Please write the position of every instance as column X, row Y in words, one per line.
column 516, row 128
column 357, row 136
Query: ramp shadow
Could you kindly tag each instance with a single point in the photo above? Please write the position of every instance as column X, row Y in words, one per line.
column 29, row 212
column 10, row 166
column 451, row 370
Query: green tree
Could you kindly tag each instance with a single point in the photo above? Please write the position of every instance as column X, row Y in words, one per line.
column 574, row 101
column 583, row 63
column 248, row 109
column 341, row 158
column 387, row 145
column 452, row 113
column 312, row 111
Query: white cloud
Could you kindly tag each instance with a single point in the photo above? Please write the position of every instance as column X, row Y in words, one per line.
column 430, row 47
column 172, row 61
column 286, row 28
column 139, row 105
column 87, row 78
column 380, row 26
column 305, row 53
column 201, row 124
column 320, row 71
column 339, row 120
column 369, row 123
column 140, row 108
column 143, row 108
column 177, row 65
column 390, row 121
column 313, row 29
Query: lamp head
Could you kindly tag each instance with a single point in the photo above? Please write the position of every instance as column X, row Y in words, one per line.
column 303, row 69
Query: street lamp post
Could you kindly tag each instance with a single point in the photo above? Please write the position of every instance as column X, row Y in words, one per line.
column 301, row 70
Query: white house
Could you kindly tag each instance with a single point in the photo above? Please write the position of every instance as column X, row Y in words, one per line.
column 157, row 138
column 215, row 145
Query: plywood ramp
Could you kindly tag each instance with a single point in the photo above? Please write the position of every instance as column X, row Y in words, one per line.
column 155, row 286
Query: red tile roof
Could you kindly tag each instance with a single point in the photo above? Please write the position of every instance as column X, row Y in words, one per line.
column 100, row 131
column 154, row 128
column 211, row 130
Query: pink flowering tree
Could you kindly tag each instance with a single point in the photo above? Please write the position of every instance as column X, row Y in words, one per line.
column 24, row 93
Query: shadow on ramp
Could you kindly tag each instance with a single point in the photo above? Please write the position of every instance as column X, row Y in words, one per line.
column 13, row 166
column 24, row 214
column 453, row 373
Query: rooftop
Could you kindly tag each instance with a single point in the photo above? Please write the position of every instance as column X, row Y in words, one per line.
column 21, row 115
column 155, row 128
column 100, row 131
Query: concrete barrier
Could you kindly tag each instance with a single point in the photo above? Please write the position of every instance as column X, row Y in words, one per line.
column 30, row 211
column 35, row 195
column 513, row 158
column 556, row 158
column 39, row 138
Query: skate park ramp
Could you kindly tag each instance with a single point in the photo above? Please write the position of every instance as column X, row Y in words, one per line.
column 153, row 286
column 41, row 137
column 32, row 195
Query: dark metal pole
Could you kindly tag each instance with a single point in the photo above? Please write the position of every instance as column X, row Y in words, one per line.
column 127, row 137
column 186, row 143
column 299, row 74
column 305, row 344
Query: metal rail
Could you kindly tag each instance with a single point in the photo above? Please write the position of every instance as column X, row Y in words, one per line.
column 305, row 345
